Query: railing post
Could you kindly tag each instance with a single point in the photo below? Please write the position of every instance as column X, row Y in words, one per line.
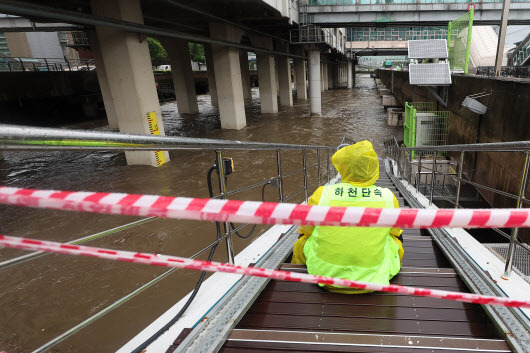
column 305, row 174
column 459, row 183
column 433, row 176
column 22, row 64
column 69, row 67
column 522, row 192
column 222, row 186
column 328, row 167
column 418, row 179
column 280, row 175
column 318, row 163
column 410, row 164
column 47, row 66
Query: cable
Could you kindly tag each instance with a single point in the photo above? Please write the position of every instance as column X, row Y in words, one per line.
column 167, row 326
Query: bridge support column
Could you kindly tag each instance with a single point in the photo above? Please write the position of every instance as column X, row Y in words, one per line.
column 130, row 76
column 315, row 97
column 227, row 69
column 182, row 74
column 300, row 78
column 212, row 88
column 103, row 80
column 245, row 75
column 350, row 75
column 286, row 85
column 268, row 95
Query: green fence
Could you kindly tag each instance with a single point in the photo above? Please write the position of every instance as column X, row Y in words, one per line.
column 424, row 126
column 459, row 42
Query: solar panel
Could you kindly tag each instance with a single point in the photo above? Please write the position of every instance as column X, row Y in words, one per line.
column 438, row 74
column 428, row 49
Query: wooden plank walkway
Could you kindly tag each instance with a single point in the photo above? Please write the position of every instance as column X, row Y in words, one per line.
column 301, row 317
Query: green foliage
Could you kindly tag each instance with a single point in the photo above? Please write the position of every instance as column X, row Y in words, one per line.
column 157, row 52
column 197, row 52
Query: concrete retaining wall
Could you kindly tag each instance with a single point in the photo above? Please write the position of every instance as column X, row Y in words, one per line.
column 507, row 119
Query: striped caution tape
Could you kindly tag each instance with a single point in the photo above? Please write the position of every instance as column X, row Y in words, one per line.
column 263, row 212
column 199, row 265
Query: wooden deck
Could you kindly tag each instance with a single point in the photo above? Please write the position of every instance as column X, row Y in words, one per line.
column 300, row 317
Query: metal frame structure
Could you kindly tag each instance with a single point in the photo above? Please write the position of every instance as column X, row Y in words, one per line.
column 513, row 323
column 405, row 166
column 15, row 138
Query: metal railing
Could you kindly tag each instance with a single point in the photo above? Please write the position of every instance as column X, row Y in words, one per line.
column 29, row 138
column 14, row 138
column 506, row 71
column 10, row 63
column 405, row 165
column 398, row 2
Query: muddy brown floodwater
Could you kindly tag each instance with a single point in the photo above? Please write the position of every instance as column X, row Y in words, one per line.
column 42, row 298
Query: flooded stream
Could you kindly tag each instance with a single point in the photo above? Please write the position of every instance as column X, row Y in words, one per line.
column 42, row 298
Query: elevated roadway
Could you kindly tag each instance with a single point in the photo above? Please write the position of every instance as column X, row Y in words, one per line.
column 350, row 13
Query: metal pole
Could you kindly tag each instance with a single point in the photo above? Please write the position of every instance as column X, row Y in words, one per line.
column 468, row 46
column 22, row 64
column 319, row 174
column 502, row 37
column 328, row 168
column 69, row 67
column 418, row 179
column 410, row 162
column 305, row 174
column 222, row 185
column 280, row 176
column 47, row 66
column 459, row 184
column 522, row 192
column 433, row 176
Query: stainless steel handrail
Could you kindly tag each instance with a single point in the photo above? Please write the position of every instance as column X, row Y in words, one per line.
column 476, row 147
column 32, row 138
column 397, row 151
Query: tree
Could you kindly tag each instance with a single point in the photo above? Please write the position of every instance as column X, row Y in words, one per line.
column 157, row 52
column 197, row 53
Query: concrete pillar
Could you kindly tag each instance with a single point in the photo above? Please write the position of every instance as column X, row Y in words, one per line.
column 183, row 82
column 245, row 75
column 267, row 83
column 227, row 68
column 300, row 78
column 212, row 88
column 103, row 80
column 315, row 97
column 276, row 74
column 350, row 74
column 286, row 86
column 130, row 76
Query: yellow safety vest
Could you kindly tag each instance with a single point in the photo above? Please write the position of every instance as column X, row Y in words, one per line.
column 355, row 253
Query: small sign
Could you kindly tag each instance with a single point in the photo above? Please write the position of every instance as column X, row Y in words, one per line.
column 153, row 128
column 470, row 6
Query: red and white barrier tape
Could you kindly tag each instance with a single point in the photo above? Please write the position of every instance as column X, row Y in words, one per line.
column 180, row 262
column 263, row 212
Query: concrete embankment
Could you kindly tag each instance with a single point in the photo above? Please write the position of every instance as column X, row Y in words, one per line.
column 507, row 119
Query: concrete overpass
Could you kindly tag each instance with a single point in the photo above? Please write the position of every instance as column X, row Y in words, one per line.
column 117, row 31
column 350, row 13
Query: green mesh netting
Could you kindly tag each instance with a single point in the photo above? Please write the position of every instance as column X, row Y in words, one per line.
column 459, row 42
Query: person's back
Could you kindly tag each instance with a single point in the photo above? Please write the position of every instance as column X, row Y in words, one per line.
column 364, row 254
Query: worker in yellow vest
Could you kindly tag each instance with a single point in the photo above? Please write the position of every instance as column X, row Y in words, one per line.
column 357, row 253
